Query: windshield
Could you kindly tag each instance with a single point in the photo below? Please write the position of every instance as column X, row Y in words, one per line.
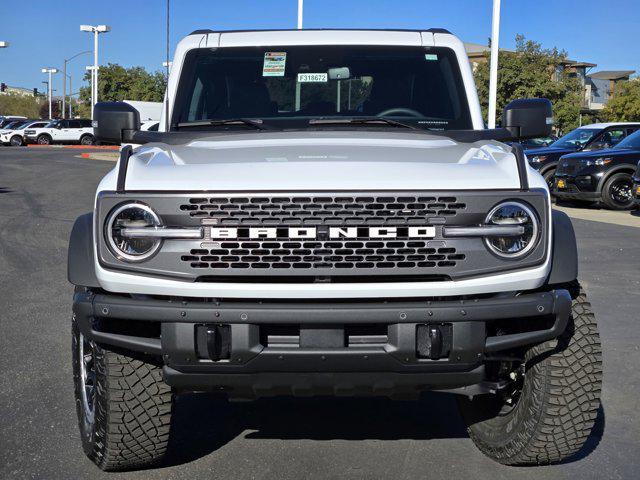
column 288, row 86
column 12, row 125
column 576, row 139
column 631, row 142
column 8, row 121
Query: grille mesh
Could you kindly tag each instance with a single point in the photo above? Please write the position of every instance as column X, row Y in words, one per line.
column 318, row 210
column 332, row 254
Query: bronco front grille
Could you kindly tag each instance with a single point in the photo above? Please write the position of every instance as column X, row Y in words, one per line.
column 322, row 210
column 323, row 255
column 364, row 236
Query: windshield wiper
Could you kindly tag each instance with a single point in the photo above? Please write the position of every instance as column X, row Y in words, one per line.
column 250, row 122
column 361, row 121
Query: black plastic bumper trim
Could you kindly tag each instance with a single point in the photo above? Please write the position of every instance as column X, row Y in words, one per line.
column 256, row 312
column 252, row 385
column 88, row 306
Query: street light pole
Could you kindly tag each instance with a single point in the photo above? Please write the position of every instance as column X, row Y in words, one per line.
column 300, row 13
column 64, row 80
column 96, row 30
column 50, row 71
column 493, row 67
column 95, row 65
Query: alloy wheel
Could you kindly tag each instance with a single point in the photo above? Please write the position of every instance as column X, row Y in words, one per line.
column 87, row 378
column 621, row 192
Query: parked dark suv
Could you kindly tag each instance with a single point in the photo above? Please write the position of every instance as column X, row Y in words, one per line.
column 636, row 186
column 603, row 176
column 588, row 138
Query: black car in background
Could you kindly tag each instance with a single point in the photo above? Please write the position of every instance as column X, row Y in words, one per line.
column 636, row 186
column 584, row 139
column 539, row 142
column 600, row 176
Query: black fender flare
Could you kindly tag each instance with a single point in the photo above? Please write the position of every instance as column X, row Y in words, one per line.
column 564, row 251
column 624, row 168
column 80, row 264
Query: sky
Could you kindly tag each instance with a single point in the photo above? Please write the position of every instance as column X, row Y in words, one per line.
column 43, row 33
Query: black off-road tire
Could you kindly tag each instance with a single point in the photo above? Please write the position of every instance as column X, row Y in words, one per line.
column 557, row 407
column 132, row 409
column 609, row 197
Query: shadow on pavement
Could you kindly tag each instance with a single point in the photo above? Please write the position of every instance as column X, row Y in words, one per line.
column 203, row 423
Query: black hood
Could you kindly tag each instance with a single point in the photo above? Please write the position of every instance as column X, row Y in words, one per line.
column 620, row 154
column 548, row 151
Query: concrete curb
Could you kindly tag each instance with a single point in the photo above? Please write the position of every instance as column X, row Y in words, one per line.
column 105, row 156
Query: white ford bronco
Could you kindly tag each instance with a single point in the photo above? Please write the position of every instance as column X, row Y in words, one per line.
column 322, row 212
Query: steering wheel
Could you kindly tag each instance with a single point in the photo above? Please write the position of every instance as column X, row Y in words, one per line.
column 400, row 111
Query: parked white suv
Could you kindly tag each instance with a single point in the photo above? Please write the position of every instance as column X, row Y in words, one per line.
column 323, row 212
column 62, row 131
column 15, row 138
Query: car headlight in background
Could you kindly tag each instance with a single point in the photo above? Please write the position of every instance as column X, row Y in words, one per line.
column 513, row 213
column 538, row 159
column 588, row 162
column 130, row 215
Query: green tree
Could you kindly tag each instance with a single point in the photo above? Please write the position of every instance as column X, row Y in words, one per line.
column 531, row 72
column 117, row 83
column 624, row 105
column 26, row 106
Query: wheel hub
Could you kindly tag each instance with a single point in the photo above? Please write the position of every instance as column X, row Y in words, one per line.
column 621, row 192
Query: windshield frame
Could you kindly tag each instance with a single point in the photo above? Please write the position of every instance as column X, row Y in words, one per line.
column 295, row 121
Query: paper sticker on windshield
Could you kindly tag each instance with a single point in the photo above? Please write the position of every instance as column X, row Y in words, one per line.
column 274, row 64
column 430, row 56
column 312, row 78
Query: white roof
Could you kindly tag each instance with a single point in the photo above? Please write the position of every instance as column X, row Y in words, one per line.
column 609, row 124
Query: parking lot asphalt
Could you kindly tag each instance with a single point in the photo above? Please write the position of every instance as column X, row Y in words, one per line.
column 42, row 191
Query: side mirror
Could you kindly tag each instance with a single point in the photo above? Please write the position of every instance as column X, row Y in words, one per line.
column 115, row 122
column 528, row 118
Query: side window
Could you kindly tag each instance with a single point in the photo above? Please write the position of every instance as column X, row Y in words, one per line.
column 610, row 137
column 64, row 123
column 74, row 124
column 85, row 123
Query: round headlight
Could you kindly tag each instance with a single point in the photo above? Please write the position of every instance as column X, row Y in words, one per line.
column 126, row 216
column 516, row 214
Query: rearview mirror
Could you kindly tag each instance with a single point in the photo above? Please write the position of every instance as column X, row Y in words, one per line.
column 115, row 122
column 528, row 118
column 342, row 73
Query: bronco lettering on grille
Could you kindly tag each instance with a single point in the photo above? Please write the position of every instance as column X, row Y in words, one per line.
column 322, row 233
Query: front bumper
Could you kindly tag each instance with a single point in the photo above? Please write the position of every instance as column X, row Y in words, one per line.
column 577, row 187
column 330, row 347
